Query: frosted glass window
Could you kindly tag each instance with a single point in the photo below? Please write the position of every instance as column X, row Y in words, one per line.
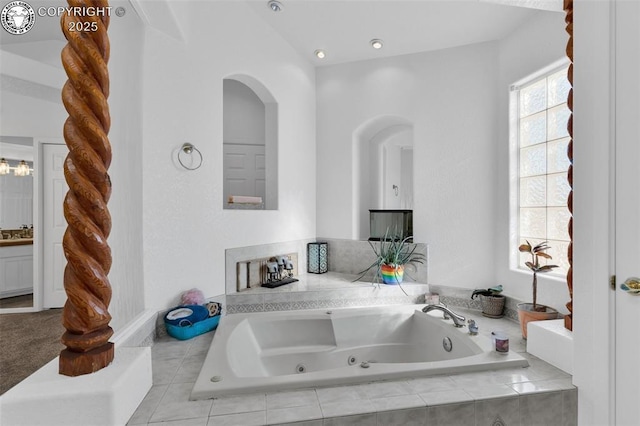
column 543, row 188
column 558, row 88
column 533, row 191
column 533, row 129
column 557, row 190
column 533, row 98
column 533, row 222
column 557, row 220
column 557, row 122
column 557, row 158
column 533, row 160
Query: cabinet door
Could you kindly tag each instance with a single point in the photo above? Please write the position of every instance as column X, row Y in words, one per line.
column 17, row 272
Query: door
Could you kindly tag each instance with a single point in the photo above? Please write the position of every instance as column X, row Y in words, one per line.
column 627, row 255
column 244, row 170
column 54, row 189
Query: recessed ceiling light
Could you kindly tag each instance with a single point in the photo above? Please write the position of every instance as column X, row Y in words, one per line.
column 274, row 5
column 320, row 53
column 376, row 43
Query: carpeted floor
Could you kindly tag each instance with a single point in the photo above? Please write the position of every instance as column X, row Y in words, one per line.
column 25, row 301
column 27, row 342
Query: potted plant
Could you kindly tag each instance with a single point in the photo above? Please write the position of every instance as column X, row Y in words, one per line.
column 491, row 300
column 533, row 311
column 392, row 255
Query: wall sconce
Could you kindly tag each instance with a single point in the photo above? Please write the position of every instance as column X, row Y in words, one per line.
column 22, row 169
column 317, row 262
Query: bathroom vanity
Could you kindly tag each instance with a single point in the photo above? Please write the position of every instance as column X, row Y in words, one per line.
column 16, row 267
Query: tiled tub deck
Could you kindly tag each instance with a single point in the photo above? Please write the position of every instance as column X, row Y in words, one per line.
column 537, row 395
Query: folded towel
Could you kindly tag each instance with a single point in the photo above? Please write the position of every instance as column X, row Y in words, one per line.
column 244, row 199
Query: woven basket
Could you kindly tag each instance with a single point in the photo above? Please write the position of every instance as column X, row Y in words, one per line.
column 492, row 306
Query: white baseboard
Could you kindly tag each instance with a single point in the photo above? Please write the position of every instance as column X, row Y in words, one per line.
column 139, row 332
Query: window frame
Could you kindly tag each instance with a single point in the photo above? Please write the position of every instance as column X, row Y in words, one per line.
column 514, row 165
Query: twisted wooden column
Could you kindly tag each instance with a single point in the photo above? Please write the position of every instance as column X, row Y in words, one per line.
column 568, row 8
column 84, row 95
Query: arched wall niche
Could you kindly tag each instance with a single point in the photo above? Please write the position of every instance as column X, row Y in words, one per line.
column 250, row 143
column 382, row 158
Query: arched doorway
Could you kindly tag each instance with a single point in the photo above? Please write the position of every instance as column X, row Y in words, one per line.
column 382, row 169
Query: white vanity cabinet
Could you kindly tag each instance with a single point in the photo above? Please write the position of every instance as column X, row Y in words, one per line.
column 16, row 270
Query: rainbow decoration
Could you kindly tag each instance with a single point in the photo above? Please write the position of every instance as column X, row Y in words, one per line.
column 392, row 274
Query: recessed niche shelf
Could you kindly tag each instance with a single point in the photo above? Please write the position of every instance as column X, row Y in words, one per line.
column 250, row 146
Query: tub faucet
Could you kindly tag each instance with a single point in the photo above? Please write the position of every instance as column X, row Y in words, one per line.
column 458, row 320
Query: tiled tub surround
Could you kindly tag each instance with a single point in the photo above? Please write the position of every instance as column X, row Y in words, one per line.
column 344, row 256
column 352, row 256
column 266, row 351
column 329, row 290
column 337, row 290
column 537, row 395
column 461, row 298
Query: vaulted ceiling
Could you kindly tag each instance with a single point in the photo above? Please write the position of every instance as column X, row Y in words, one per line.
column 342, row 28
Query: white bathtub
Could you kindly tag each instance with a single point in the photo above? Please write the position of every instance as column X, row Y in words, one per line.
column 304, row 349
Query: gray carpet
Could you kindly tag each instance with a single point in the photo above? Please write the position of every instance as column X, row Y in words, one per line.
column 27, row 342
column 25, row 301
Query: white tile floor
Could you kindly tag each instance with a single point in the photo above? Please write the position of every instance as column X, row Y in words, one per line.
column 471, row 398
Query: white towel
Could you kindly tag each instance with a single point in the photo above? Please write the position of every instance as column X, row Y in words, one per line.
column 244, row 199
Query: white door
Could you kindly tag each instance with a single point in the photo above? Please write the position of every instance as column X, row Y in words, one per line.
column 627, row 71
column 54, row 189
column 244, row 170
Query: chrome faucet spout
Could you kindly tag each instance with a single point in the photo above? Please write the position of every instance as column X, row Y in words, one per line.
column 458, row 320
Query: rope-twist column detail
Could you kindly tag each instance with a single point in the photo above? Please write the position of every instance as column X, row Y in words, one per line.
column 85, row 316
column 568, row 8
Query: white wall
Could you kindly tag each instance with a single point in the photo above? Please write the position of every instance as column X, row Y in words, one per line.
column 243, row 114
column 398, row 170
column 185, row 228
column 451, row 97
column 406, row 178
column 126, row 35
column 30, row 104
column 16, row 199
column 533, row 46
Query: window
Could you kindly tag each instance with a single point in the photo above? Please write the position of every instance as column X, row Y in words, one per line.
column 539, row 116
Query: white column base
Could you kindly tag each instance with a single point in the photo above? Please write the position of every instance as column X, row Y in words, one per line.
column 106, row 397
column 551, row 342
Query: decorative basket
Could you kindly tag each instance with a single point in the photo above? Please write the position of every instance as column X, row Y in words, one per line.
column 492, row 306
column 186, row 329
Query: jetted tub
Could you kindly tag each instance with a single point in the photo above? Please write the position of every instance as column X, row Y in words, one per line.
column 270, row 351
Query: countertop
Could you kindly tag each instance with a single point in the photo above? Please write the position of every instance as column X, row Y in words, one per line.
column 16, row 242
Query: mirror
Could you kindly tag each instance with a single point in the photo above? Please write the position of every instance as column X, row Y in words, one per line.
column 384, row 157
column 250, row 147
column 374, row 112
column 16, row 223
